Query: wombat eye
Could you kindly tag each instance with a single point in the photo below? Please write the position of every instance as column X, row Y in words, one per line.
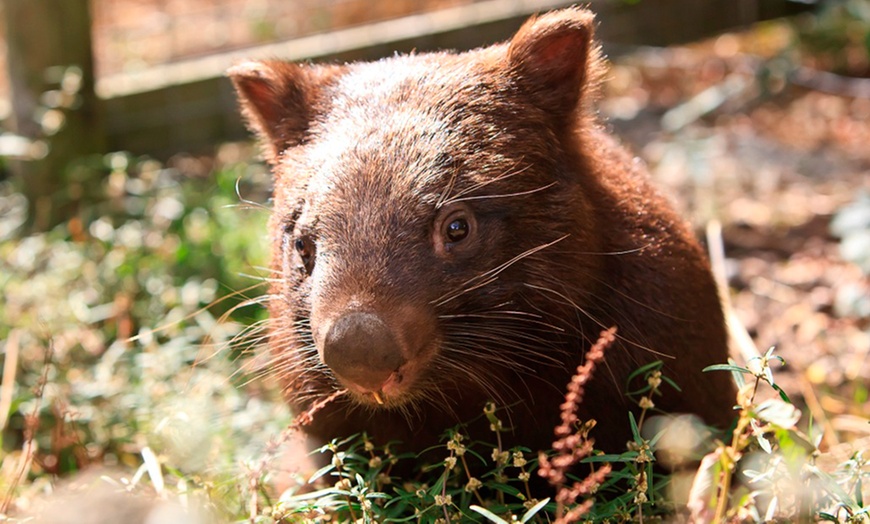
column 456, row 230
column 305, row 247
column 300, row 245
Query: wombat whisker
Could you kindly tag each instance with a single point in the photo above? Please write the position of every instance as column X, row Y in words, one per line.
column 478, row 352
column 564, row 299
column 523, row 346
column 490, row 275
column 527, row 318
column 483, row 362
column 638, row 302
column 524, row 328
column 527, row 322
column 470, row 348
column 276, row 274
column 494, row 313
column 249, row 339
column 482, row 184
column 303, row 356
column 464, row 290
column 433, row 393
column 261, row 279
column 276, row 364
column 251, row 203
column 285, row 362
column 312, row 396
column 571, row 253
column 286, row 350
column 487, row 383
column 504, row 195
column 568, row 301
column 234, row 341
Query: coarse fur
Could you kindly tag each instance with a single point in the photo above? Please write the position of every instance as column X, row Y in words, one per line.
column 451, row 228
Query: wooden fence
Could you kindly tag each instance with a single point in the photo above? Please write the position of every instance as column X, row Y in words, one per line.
column 190, row 105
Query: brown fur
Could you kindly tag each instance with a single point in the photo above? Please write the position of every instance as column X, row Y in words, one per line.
column 374, row 161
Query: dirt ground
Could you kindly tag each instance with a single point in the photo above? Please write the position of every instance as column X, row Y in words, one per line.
column 786, row 170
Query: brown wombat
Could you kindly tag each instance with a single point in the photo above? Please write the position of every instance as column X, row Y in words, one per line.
column 450, row 228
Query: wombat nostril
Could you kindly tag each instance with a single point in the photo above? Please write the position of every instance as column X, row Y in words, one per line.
column 361, row 349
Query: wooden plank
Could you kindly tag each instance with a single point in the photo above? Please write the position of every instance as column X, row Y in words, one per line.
column 51, row 78
column 163, row 100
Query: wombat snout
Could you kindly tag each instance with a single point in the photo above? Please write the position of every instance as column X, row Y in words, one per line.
column 361, row 349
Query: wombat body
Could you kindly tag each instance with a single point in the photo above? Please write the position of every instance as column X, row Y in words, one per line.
column 453, row 228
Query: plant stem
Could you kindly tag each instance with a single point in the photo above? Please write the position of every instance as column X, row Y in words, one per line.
column 468, row 474
column 31, row 425
column 727, row 462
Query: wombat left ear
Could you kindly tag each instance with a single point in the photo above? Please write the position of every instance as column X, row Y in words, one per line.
column 553, row 59
column 279, row 100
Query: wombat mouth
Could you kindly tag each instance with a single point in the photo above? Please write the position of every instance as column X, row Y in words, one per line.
column 389, row 389
column 400, row 387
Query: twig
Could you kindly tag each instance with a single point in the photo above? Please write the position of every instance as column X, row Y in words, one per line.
column 31, row 424
column 829, row 433
column 303, row 419
column 573, row 443
column 736, row 329
column 10, row 368
column 831, row 83
column 444, row 496
column 704, row 102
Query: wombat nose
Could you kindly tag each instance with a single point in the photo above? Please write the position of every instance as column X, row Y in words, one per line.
column 360, row 348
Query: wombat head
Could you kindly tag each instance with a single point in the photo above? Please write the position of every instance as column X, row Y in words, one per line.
column 419, row 201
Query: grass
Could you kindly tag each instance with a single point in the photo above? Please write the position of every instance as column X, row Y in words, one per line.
column 115, row 338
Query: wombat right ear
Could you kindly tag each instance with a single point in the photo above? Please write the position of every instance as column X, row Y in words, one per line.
column 554, row 60
column 278, row 100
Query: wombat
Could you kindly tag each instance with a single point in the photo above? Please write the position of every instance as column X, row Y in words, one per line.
column 452, row 228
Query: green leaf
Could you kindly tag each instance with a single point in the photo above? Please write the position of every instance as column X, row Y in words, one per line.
column 764, row 444
column 726, row 367
column 830, row 484
column 782, row 393
column 488, row 514
column 655, row 440
column 320, row 472
column 644, row 369
column 504, row 488
column 627, row 456
column 768, row 375
column 672, row 383
column 634, row 430
column 312, row 495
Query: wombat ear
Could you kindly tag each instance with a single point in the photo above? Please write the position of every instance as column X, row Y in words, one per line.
column 554, row 60
column 278, row 100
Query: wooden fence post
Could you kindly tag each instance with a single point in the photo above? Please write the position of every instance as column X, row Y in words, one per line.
column 51, row 77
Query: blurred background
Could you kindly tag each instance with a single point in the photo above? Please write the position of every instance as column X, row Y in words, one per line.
column 133, row 204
